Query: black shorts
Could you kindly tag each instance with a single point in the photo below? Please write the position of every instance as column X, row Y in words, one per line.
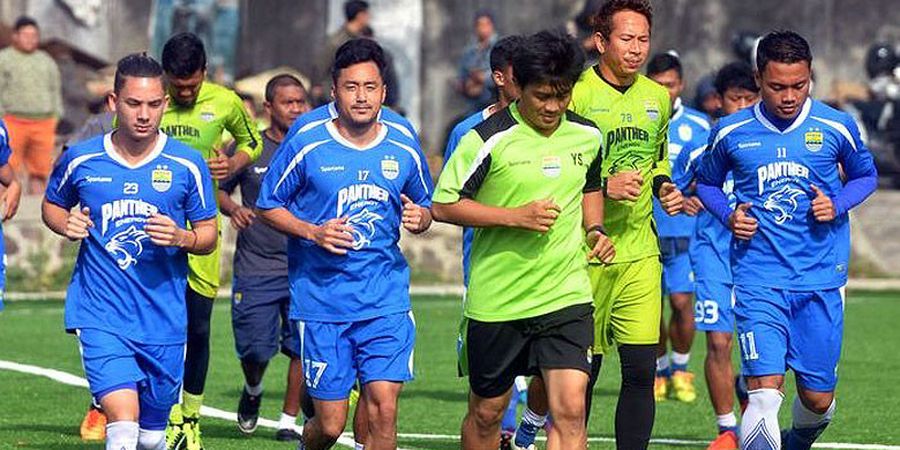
column 498, row 352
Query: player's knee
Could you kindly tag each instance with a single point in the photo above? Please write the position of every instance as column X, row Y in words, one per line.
column 638, row 365
column 332, row 428
column 382, row 411
column 719, row 348
column 569, row 411
column 817, row 402
column 152, row 440
column 486, row 414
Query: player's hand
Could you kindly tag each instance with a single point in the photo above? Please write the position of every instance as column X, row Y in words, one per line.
column 601, row 247
column 624, row 185
column 692, row 205
column 822, row 206
column 670, row 198
column 164, row 232
column 334, row 236
column 416, row 219
column 77, row 224
column 742, row 225
column 11, row 199
column 219, row 166
column 242, row 217
column 538, row 215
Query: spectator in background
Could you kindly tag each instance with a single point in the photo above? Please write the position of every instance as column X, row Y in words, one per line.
column 31, row 101
column 475, row 82
column 356, row 13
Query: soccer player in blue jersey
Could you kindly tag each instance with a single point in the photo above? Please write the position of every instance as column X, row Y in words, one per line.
column 791, row 245
column 136, row 193
column 710, row 256
column 688, row 131
column 341, row 190
column 10, row 199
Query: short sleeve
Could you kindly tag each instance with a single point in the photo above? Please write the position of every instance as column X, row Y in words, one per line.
column 61, row 190
column 466, row 170
column 419, row 186
column 201, row 196
column 285, row 176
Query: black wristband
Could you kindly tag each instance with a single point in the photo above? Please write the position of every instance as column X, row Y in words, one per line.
column 658, row 182
column 597, row 228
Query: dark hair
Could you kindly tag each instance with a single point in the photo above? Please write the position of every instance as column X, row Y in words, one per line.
column 135, row 65
column 784, row 47
column 357, row 51
column 603, row 19
column 183, row 55
column 484, row 13
column 738, row 75
column 663, row 62
column 281, row 80
column 503, row 51
column 352, row 8
column 24, row 21
column 548, row 57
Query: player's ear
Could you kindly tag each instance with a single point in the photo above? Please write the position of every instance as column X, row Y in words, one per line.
column 498, row 77
column 111, row 101
column 600, row 42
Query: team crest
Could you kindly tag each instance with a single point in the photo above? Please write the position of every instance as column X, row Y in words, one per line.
column 207, row 115
column 685, row 132
column 652, row 109
column 551, row 166
column 161, row 180
column 813, row 140
column 390, row 168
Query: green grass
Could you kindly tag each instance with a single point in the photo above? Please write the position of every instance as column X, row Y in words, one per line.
column 40, row 413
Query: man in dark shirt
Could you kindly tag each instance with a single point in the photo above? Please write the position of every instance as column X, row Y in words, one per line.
column 261, row 295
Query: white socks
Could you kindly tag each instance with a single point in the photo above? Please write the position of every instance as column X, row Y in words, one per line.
column 804, row 418
column 254, row 390
column 759, row 425
column 122, row 435
column 726, row 420
column 532, row 418
column 680, row 359
column 152, row 440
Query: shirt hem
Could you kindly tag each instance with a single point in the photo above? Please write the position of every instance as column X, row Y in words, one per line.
column 526, row 315
column 359, row 318
column 119, row 333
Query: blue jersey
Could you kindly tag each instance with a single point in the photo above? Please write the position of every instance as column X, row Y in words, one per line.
column 773, row 170
column 123, row 283
column 711, row 240
column 456, row 134
column 319, row 176
column 5, row 150
column 328, row 112
column 688, row 131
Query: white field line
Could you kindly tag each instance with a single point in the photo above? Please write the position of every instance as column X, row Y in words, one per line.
column 347, row 440
column 207, row 411
column 862, row 284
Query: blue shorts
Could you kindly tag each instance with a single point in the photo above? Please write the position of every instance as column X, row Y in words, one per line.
column 335, row 355
column 714, row 306
column 112, row 363
column 677, row 274
column 259, row 318
column 781, row 329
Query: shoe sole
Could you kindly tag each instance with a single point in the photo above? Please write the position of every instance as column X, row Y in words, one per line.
column 247, row 430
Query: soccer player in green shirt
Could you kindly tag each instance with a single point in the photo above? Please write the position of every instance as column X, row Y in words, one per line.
column 633, row 112
column 198, row 113
column 526, row 179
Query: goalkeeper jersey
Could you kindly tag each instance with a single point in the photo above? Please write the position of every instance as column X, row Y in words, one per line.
column 200, row 126
column 635, row 124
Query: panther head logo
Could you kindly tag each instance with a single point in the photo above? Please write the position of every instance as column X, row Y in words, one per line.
column 363, row 224
column 623, row 163
column 783, row 203
column 126, row 246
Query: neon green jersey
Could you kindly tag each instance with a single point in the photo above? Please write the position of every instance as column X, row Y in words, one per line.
column 635, row 125
column 200, row 126
column 504, row 162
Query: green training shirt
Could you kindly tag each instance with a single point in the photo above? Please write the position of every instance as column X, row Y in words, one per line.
column 504, row 162
column 635, row 125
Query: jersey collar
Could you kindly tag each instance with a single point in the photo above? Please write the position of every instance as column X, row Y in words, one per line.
column 115, row 156
column 761, row 117
column 677, row 109
column 332, row 130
